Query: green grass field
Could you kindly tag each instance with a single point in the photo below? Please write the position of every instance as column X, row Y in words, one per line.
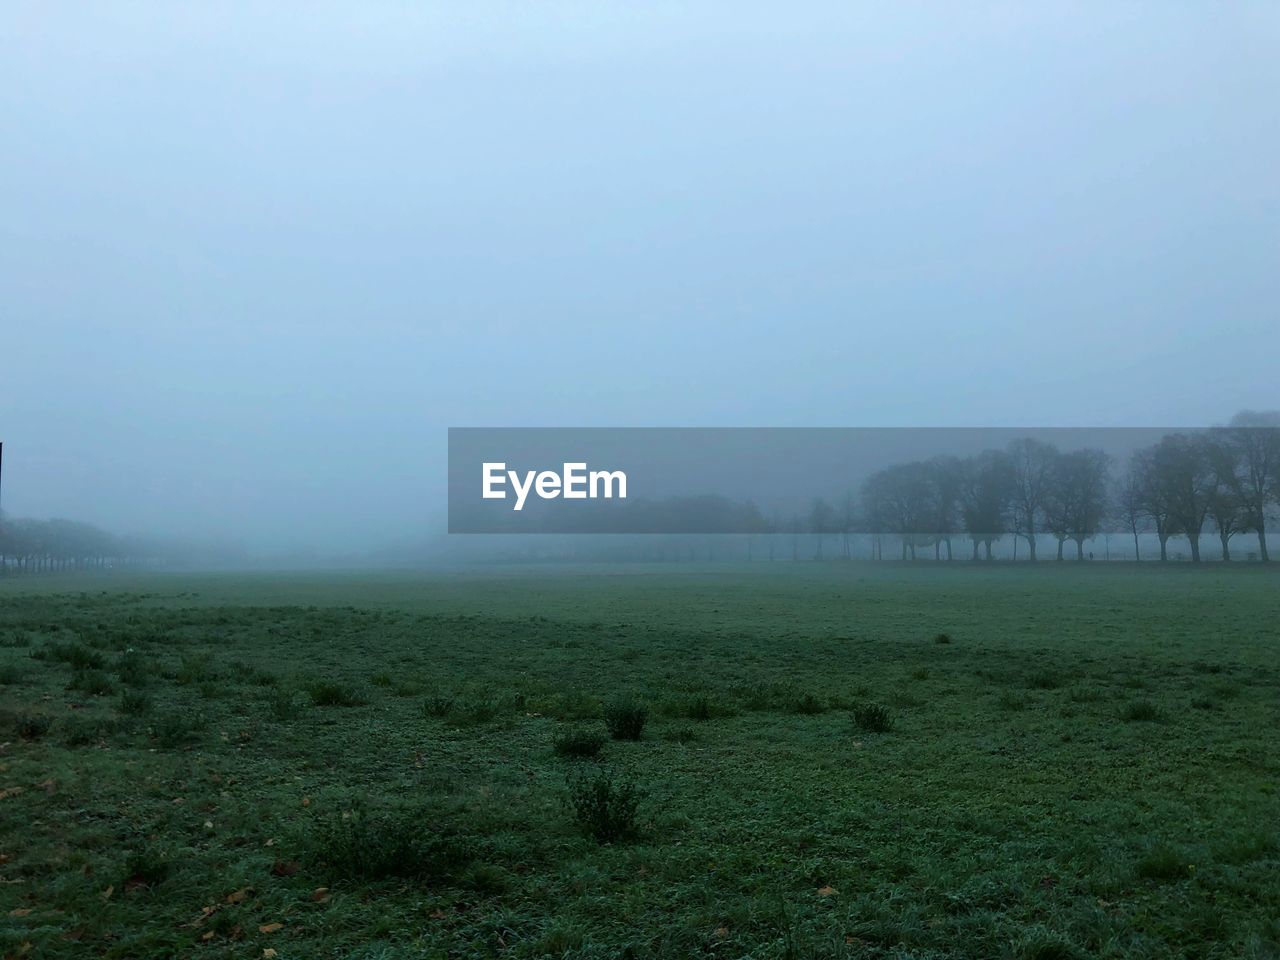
column 384, row 766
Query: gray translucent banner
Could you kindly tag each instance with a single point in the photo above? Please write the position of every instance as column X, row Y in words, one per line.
column 922, row 482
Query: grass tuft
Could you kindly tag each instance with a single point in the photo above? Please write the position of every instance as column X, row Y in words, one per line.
column 1141, row 711
column 872, row 718
column 327, row 693
column 604, row 808
column 625, row 719
column 579, row 744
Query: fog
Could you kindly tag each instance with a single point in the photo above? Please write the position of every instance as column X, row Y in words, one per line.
column 254, row 261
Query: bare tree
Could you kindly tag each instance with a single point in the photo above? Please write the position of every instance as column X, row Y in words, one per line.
column 1131, row 508
column 986, row 494
column 1255, row 441
column 1185, row 472
column 1154, row 496
column 822, row 521
column 897, row 500
column 1033, row 462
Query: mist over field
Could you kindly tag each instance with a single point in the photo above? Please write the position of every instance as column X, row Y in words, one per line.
column 490, row 480
column 256, row 261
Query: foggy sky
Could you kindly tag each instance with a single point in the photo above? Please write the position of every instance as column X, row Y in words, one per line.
column 255, row 259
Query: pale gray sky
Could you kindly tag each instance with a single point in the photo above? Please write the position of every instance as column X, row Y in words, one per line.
column 255, row 258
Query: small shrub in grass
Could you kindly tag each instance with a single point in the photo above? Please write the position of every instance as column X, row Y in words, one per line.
column 569, row 705
column 579, row 744
column 131, row 668
column 478, row 711
column 1226, row 691
column 382, row 679
column 1044, row 680
column 82, row 731
column 326, row 693
column 362, row 844
column 807, row 704
column 196, row 668
column 1141, row 711
column 872, row 718
column 177, row 729
column 695, row 708
column 74, row 655
column 680, row 735
column 31, row 726
column 1011, row 701
column 92, row 683
column 486, row 879
column 134, row 703
column 1043, row 945
column 437, row 705
column 764, row 695
column 10, row 674
column 1083, row 693
column 604, row 808
column 625, row 719
column 146, row 866
column 284, row 705
column 942, row 638
column 1161, row 862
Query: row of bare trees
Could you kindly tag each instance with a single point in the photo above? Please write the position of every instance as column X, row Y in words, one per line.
column 40, row 546
column 30, row 546
column 1225, row 480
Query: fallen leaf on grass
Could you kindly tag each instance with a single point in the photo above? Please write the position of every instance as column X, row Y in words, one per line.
column 270, row 927
column 20, row 912
column 826, row 891
column 320, row 894
column 285, row 868
column 267, row 953
column 239, row 895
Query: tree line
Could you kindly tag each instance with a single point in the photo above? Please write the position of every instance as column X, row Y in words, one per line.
column 1223, row 480
column 29, row 546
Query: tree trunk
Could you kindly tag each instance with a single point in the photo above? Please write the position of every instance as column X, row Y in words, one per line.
column 1194, row 539
column 1031, row 544
column 1079, row 549
column 988, row 545
column 1137, row 551
column 1061, row 541
column 1226, row 550
column 1262, row 540
column 1164, row 548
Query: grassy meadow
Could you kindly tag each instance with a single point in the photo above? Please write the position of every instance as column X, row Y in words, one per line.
column 767, row 761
